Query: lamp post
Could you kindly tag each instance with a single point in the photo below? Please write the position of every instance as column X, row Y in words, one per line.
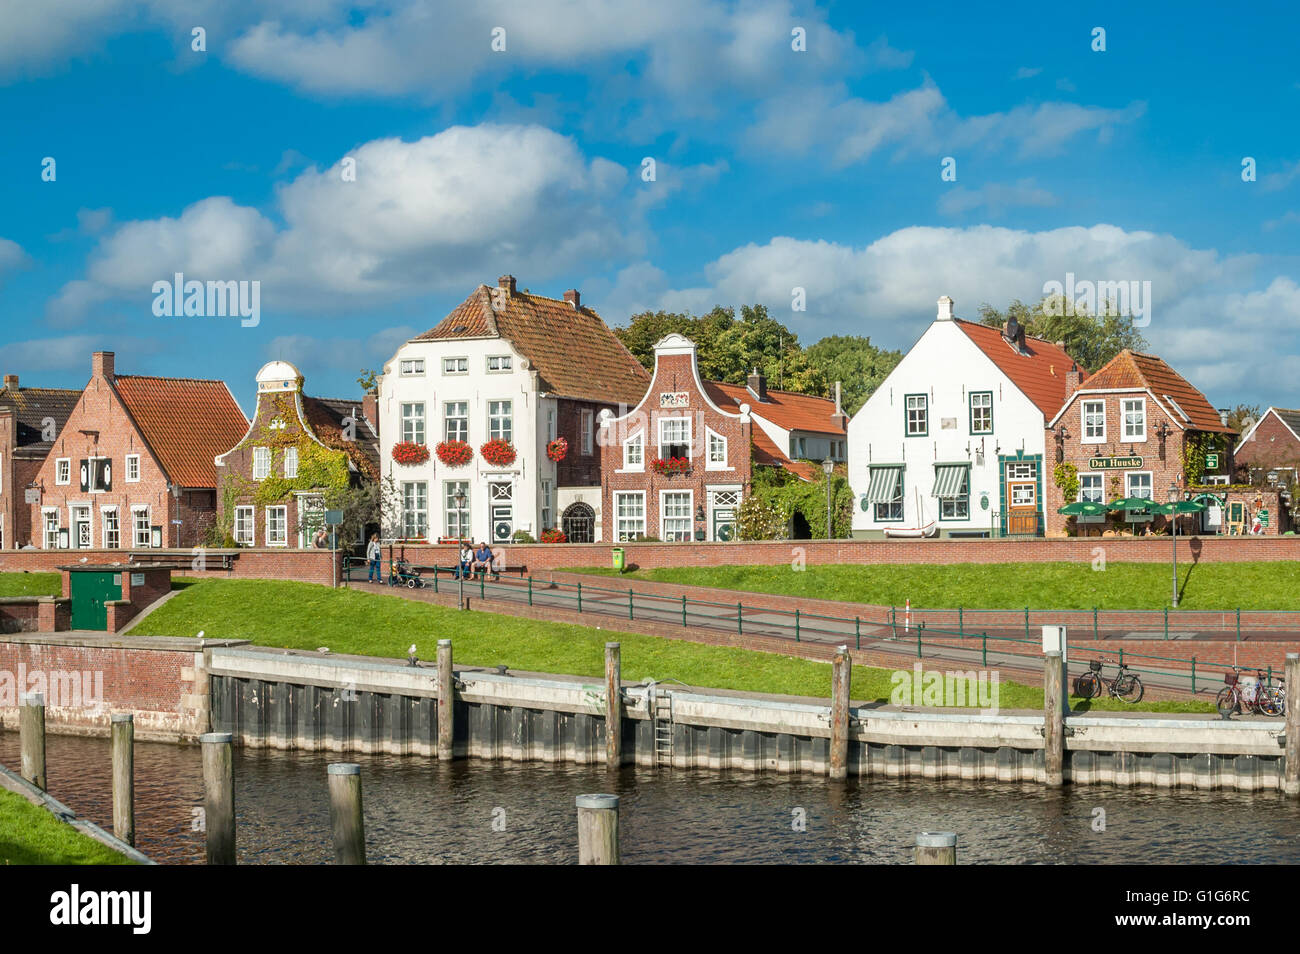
column 828, row 466
column 460, row 499
column 1173, row 533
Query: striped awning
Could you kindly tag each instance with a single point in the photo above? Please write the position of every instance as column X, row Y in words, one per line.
column 949, row 480
column 884, row 483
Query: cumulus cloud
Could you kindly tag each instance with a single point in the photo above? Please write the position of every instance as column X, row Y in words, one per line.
column 12, row 257
column 995, row 197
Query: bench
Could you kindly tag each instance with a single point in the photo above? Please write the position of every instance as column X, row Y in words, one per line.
column 968, row 533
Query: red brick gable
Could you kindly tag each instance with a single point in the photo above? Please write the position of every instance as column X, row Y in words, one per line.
column 1130, row 370
column 187, row 422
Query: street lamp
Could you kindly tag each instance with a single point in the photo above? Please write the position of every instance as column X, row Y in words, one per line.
column 1174, row 494
column 460, row 499
column 828, row 465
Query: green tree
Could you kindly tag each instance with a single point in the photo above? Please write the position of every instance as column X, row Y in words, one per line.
column 1090, row 340
column 856, row 363
column 1242, row 413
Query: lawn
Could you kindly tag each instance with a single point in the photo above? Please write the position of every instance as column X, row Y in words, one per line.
column 30, row 584
column 308, row 616
column 29, row 835
column 1209, row 586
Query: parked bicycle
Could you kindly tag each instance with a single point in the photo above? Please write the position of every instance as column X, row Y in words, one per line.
column 1126, row 686
column 1254, row 697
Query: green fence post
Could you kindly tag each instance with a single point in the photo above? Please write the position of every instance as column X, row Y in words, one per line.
column 579, row 597
column 1193, row 675
column 919, row 627
column 1094, row 623
column 796, row 624
column 1238, row 624
column 893, row 621
column 1166, row 622
column 683, row 609
column 530, row 591
column 482, row 586
column 1270, row 674
column 960, row 624
column 1026, row 622
column 984, row 651
column 629, row 603
column 740, row 619
column 857, row 633
column 1121, row 655
column 435, row 578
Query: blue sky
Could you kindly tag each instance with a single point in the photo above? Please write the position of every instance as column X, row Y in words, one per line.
column 774, row 169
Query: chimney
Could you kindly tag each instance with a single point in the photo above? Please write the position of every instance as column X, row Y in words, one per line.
column 1072, row 379
column 1223, row 411
column 370, row 408
column 945, row 309
column 757, row 385
column 839, row 418
column 101, row 365
column 11, row 382
column 508, row 283
column 574, row 298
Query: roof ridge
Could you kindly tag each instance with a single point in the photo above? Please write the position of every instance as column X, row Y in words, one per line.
column 1028, row 337
column 165, row 377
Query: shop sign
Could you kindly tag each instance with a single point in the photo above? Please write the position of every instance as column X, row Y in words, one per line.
column 1114, row 463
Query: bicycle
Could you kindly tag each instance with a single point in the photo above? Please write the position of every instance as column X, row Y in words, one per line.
column 1126, row 686
column 1259, row 698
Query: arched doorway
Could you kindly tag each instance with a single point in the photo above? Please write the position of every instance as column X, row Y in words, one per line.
column 799, row 528
column 579, row 523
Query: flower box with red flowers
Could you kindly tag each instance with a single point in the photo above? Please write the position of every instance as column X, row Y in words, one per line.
column 557, row 449
column 554, row 535
column 671, row 466
column 498, row 453
column 410, row 453
column 455, row 453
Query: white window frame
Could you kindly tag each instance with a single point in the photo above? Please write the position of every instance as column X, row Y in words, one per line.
column 495, row 421
column 634, row 446
column 923, row 420
column 136, row 510
column 104, row 513
column 412, row 510
column 290, row 455
column 90, row 487
column 621, row 533
column 1123, row 413
column 462, row 418
column 261, row 463
column 63, row 464
column 1083, row 421
column 710, row 435
column 551, row 432
column 690, row 514
column 463, row 515
column 1101, row 486
column 247, row 537
column 458, row 365
column 548, row 505
column 414, row 423
column 72, row 523
column 411, row 368
column 690, row 449
column 587, row 419
column 501, row 368
column 46, row 529
column 126, row 470
column 271, row 540
column 1128, row 485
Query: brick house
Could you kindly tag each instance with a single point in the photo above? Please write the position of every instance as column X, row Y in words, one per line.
column 274, row 485
column 1270, row 445
column 132, row 467
column 509, row 365
column 679, row 464
column 30, row 418
column 1133, row 429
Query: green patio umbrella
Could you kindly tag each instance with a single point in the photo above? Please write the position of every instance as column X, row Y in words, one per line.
column 1180, row 507
column 1083, row 508
column 1131, row 503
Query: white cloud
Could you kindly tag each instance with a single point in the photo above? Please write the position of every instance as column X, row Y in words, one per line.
column 995, row 197
column 12, row 256
column 1027, row 72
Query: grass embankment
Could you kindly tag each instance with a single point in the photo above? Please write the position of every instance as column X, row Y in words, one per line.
column 29, row 835
column 1128, row 586
column 30, row 584
column 307, row 616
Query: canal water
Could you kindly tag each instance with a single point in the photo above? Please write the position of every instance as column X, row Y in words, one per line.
column 423, row 812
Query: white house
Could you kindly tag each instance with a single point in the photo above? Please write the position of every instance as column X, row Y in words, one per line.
column 952, row 442
column 505, row 364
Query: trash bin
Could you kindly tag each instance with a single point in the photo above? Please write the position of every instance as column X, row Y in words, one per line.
column 618, row 559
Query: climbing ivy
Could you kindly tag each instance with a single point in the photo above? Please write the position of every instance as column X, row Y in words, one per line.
column 1066, row 476
column 775, row 495
column 1195, row 446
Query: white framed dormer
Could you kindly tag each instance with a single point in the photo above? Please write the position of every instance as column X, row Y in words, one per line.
column 634, row 453
column 131, row 472
column 63, row 471
column 1133, row 420
column 715, row 450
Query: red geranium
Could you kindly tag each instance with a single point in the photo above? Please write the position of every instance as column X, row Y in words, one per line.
column 455, row 453
column 669, row 466
column 498, row 453
column 557, row 449
column 554, row 535
column 409, row 452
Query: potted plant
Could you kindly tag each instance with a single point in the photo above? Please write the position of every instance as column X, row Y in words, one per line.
column 498, row 452
column 453, row 453
column 410, row 453
column 554, row 535
column 670, row 466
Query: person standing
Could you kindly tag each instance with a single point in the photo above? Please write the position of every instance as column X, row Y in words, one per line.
column 373, row 554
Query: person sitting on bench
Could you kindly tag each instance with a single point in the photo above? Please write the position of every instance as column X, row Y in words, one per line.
column 465, row 565
column 483, row 560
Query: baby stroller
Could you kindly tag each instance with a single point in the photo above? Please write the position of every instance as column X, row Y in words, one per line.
column 403, row 574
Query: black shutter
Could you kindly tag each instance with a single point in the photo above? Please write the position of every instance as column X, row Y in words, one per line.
column 105, row 481
column 85, row 475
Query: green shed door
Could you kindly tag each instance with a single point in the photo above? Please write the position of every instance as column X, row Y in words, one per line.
column 90, row 593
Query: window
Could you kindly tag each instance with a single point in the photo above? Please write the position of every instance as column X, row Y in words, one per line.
column 411, row 367
column 97, row 475
column 277, row 526
column 455, row 421
column 261, row 463
column 415, row 510
column 132, row 468
column 290, row 462
column 547, row 501
column 675, row 515
column 1024, row 495
column 892, row 509
column 1138, row 484
column 112, row 528
column 413, row 422
column 1023, row 470
column 63, row 470
column 456, row 517
column 1094, row 422
column 140, row 537
column 500, row 424
column 981, row 412
column 918, row 415
column 1135, row 419
column 801, row 448
column 717, row 459
column 51, row 524
column 455, row 365
column 629, row 511
column 499, row 362
column 550, row 425
column 1091, row 489
column 674, row 437
column 634, row 452
column 588, row 430
column 957, row 507
column 245, row 534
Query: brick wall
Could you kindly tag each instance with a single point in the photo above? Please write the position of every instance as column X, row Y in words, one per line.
column 1271, row 445
column 312, row 566
column 578, row 469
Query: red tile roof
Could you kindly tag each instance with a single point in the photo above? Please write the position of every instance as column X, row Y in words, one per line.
column 1040, row 374
column 766, row 453
column 785, row 409
column 574, row 352
column 1132, row 370
column 186, row 421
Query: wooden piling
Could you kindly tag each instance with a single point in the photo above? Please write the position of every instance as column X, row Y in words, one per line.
column 841, row 670
column 1053, row 718
column 613, row 707
column 218, row 797
column 123, row 745
column 446, row 702
column 31, row 735
column 1291, row 776
column 346, row 819
column 936, row 848
column 598, row 830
